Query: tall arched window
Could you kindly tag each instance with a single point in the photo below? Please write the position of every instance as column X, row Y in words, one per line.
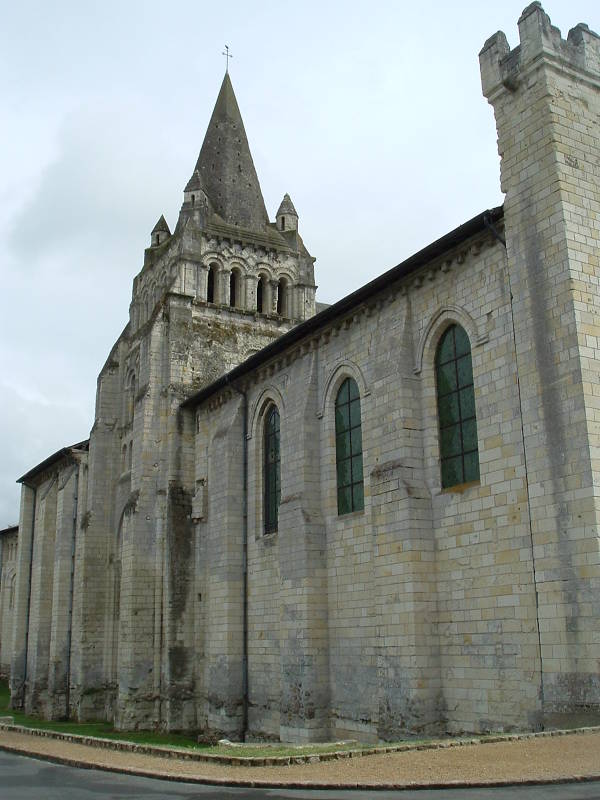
column 260, row 294
column 456, row 408
column 210, row 284
column 348, row 449
column 272, row 471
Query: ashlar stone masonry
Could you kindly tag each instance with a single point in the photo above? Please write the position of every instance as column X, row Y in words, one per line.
column 150, row 589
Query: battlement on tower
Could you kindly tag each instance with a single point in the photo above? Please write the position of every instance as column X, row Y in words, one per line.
column 504, row 69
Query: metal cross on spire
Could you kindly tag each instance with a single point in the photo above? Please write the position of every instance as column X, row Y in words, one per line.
column 227, row 55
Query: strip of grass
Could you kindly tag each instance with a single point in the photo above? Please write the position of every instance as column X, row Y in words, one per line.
column 101, row 729
column 105, row 731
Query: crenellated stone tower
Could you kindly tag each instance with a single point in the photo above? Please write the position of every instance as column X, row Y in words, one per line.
column 223, row 285
column 546, row 98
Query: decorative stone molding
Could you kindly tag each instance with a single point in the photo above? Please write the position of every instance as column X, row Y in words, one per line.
column 270, row 394
column 441, row 319
column 343, row 369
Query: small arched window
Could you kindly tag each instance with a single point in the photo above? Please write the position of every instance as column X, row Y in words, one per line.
column 456, row 408
column 234, row 284
column 210, row 285
column 130, row 399
column 348, row 448
column 12, row 589
column 272, row 471
column 282, row 297
column 260, row 294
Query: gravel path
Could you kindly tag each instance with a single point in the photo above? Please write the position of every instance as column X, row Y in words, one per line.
column 561, row 757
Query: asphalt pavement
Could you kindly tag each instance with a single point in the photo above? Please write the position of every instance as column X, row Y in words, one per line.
column 24, row 778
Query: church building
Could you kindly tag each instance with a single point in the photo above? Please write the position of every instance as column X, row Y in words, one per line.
column 373, row 519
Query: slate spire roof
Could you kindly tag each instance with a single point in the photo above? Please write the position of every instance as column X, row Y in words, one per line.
column 161, row 226
column 225, row 167
column 287, row 207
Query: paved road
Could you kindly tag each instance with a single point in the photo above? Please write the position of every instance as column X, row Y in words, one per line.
column 23, row 778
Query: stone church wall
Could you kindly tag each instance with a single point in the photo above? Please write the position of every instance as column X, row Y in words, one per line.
column 46, row 583
column 148, row 591
column 403, row 616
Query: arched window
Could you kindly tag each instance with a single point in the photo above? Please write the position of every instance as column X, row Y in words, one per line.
column 260, row 294
column 210, row 286
column 272, row 471
column 456, row 408
column 129, row 399
column 12, row 588
column 234, row 288
column 348, row 449
column 282, row 298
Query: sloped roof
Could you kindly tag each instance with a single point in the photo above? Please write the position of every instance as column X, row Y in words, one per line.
column 287, row 207
column 64, row 451
column 194, row 182
column 161, row 226
column 226, row 169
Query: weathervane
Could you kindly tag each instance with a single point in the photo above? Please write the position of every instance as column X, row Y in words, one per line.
column 227, row 55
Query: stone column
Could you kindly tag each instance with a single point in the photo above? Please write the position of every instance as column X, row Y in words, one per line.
column 40, row 609
column 66, row 513
column 273, row 284
column 223, row 598
column 251, row 282
column 223, row 289
column 21, row 607
column 201, row 282
column 304, row 637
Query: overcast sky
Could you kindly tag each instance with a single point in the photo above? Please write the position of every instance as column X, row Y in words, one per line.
column 369, row 114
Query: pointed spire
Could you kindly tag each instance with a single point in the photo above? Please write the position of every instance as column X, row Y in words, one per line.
column 161, row 226
column 160, row 232
column 225, row 168
column 194, row 182
column 286, row 207
column 287, row 216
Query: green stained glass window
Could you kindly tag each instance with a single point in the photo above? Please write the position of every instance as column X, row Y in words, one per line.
column 348, row 450
column 272, row 471
column 456, row 408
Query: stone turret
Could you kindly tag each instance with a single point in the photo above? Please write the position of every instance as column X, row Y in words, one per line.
column 287, row 216
column 160, row 232
column 546, row 99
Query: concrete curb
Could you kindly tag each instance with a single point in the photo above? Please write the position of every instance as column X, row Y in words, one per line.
column 280, row 761
column 262, row 784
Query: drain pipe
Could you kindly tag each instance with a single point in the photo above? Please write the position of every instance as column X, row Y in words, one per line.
column 71, row 591
column 244, row 559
